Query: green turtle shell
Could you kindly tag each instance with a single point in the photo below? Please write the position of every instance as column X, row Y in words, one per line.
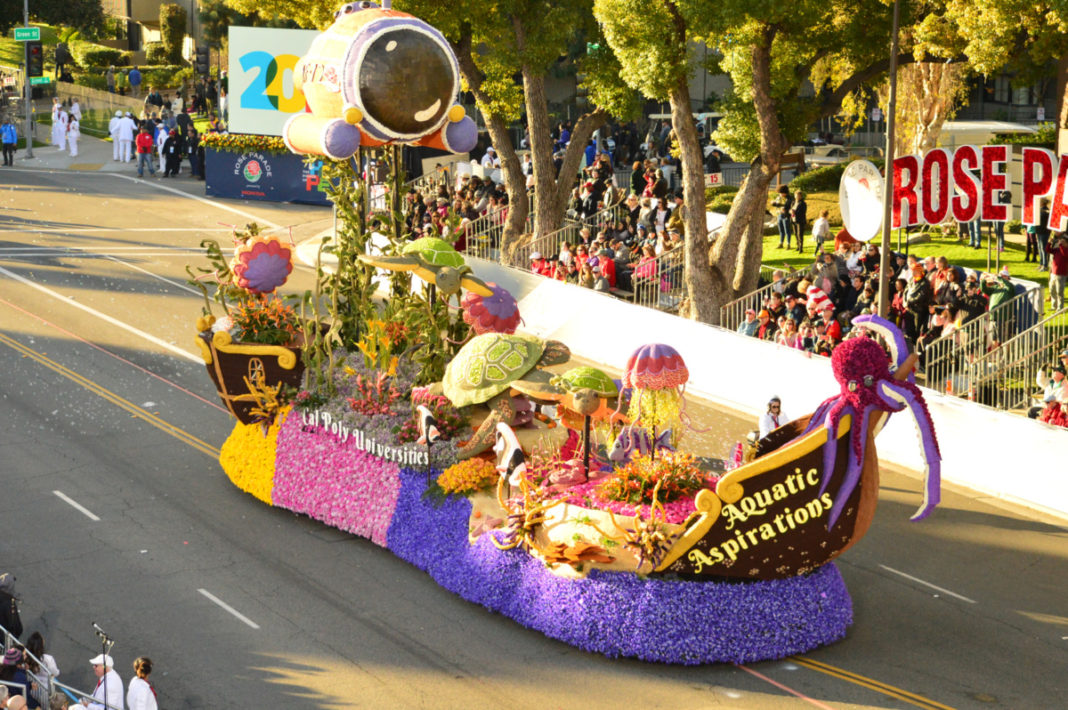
column 435, row 251
column 585, row 377
column 487, row 366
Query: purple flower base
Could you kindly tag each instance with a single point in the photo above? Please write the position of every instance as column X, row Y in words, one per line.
column 612, row 613
column 618, row 614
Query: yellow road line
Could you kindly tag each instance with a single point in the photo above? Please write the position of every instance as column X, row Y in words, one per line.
column 110, row 396
column 870, row 683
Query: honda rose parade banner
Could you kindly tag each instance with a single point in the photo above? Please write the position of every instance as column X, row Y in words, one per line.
column 265, row 176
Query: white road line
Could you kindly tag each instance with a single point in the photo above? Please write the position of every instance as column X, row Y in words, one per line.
column 77, row 506
column 176, row 284
column 59, row 254
column 103, row 316
column 94, row 230
column 229, row 608
column 165, row 188
column 917, row 580
column 109, row 250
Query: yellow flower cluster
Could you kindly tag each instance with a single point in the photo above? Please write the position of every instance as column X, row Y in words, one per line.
column 468, row 476
column 247, row 456
column 243, row 143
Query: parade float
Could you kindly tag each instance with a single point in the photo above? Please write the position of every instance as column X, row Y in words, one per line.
column 552, row 493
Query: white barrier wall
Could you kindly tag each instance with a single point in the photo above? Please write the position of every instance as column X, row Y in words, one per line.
column 1003, row 455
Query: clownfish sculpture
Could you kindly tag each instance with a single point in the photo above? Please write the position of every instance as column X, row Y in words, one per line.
column 378, row 76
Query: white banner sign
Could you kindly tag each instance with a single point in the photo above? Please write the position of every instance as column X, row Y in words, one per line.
column 261, row 92
column 860, row 198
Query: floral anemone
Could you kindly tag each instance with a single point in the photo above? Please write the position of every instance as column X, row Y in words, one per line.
column 498, row 313
column 657, row 375
column 262, row 264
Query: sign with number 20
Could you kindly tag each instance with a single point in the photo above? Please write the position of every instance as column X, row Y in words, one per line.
column 262, row 95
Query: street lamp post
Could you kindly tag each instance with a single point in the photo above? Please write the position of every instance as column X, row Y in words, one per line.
column 888, row 181
column 27, row 89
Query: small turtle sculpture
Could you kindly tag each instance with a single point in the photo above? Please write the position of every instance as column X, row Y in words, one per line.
column 586, row 387
column 435, row 261
column 488, row 367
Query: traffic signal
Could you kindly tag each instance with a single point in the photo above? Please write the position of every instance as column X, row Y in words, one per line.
column 34, row 59
column 202, row 62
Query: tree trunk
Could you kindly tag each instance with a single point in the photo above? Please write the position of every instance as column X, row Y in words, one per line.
column 551, row 190
column 701, row 289
column 548, row 212
column 515, row 183
column 739, row 249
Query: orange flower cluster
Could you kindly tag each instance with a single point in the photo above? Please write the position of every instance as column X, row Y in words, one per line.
column 468, row 476
column 677, row 473
column 267, row 321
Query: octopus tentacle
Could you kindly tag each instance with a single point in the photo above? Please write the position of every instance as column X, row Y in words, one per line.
column 909, row 395
column 895, row 339
column 830, row 449
column 853, row 470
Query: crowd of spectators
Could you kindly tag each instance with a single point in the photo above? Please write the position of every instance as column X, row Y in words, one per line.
column 626, row 226
column 813, row 309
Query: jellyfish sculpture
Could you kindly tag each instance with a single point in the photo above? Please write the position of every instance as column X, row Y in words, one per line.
column 657, row 376
column 868, row 386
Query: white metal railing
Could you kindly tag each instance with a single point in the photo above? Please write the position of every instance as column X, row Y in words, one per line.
column 1004, row 376
column 733, row 313
column 658, row 283
column 998, row 325
column 43, row 690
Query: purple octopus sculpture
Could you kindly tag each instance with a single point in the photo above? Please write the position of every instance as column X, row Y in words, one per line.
column 868, row 386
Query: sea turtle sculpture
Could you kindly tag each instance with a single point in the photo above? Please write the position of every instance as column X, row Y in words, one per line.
column 485, row 370
column 435, row 261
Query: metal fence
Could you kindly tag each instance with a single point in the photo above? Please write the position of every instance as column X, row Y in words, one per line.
column 484, row 234
column 659, row 283
column 43, row 679
column 942, row 358
column 547, row 245
column 1004, row 377
column 733, row 313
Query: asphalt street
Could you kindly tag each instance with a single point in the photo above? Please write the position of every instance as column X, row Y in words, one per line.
column 115, row 511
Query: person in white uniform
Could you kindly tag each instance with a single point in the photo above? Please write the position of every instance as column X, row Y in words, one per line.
column 113, row 130
column 773, row 418
column 76, row 110
column 73, row 134
column 140, row 695
column 58, row 130
column 127, row 129
column 108, row 685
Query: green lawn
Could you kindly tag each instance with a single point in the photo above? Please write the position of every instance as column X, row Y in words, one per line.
column 12, row 52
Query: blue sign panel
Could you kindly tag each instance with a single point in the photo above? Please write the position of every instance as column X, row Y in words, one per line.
column 263, row 176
